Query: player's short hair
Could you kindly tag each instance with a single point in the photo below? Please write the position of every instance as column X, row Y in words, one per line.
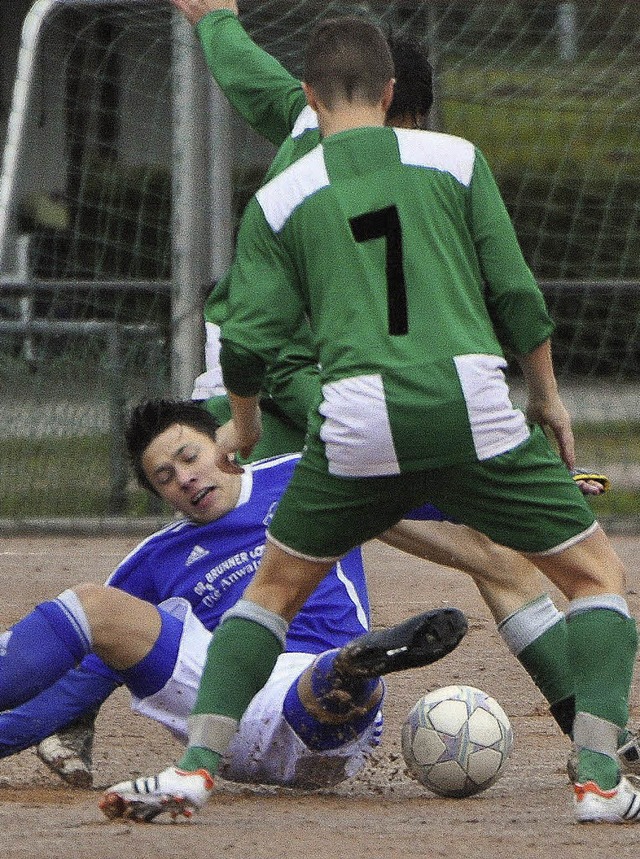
column 413, row 92
column 151, row 418
column 348, row 58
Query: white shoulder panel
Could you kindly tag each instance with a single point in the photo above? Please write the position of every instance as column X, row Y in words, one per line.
column 283, row 194
column 306, row 121
column 443, row 152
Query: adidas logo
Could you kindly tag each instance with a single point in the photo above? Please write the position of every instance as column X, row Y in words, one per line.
column 196, row 553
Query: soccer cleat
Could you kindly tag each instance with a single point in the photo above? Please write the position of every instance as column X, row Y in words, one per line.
column 629, row 755
column 418, row 641
column 174, row 791
column 619, row 805
column 68, row 752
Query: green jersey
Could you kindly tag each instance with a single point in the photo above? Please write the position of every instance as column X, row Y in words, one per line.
column 262, row 91
column 273, row 103
column 396, row 246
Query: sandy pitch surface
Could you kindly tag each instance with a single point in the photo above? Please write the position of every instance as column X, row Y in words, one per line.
column 382, row 812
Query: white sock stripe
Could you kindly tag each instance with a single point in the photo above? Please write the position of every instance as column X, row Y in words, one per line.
column 612, row 602
column 595, row 734
column 212, row 731
column 528, row 623
column 70, row 604
column 248, row 610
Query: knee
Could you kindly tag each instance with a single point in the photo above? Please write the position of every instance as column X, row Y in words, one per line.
column 94, row 599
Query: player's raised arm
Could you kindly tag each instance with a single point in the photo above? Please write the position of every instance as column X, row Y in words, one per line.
column 195, row 10
column 263, row 92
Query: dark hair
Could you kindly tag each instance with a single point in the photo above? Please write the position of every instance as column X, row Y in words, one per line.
column 413, row 92
column 152, row 417
column 348, row 58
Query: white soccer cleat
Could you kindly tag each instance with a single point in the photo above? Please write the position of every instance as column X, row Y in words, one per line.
column 72, row 764
column 174, row 791
column 619, row 805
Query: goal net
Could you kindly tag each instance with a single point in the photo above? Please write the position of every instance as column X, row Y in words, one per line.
column 124, row 173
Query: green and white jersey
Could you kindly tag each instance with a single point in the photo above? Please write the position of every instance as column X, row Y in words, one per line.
column 263, row 92
column 397, row 248
column 273, row 103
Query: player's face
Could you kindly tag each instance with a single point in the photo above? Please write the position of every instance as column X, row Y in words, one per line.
column 180, row 466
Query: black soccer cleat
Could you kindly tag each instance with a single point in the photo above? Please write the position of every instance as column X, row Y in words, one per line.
column 418, row 641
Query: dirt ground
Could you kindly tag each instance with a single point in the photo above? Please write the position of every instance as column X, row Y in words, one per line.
column 382, row 812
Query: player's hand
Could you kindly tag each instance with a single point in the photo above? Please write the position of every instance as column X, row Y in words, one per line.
column 590, row 482
column 553, row 416
column 232, row 440
column 195, row 10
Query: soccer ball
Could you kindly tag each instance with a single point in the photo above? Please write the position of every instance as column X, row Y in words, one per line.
column 456, row 740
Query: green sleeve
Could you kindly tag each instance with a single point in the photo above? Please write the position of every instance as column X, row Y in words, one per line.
column 242, row 369
column 255, row 83
column 265, row 309
column 215, row 307
column 292, row 382
column 515, row 301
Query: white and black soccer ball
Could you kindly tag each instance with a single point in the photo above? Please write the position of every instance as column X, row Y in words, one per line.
column 456, row 740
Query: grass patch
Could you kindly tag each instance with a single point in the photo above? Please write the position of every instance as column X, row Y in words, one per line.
column 62, row 477
column 548, row 120
column 609, row 441
column 70, row 477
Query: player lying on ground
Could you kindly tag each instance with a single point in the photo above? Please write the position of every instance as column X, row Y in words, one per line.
column 319, row 714
column 470, row 289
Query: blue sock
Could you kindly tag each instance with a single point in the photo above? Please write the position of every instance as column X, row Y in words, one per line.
column 152, row 672
column 41, row 647
column 324, row 680
column 322, row 736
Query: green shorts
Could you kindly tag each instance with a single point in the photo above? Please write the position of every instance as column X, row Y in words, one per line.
column 525, row 499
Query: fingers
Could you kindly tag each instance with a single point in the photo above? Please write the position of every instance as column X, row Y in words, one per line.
column 227, row 464
column 195, row 10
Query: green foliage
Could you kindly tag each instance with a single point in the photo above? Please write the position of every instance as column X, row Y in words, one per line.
column 69, row 477
column 564, row 144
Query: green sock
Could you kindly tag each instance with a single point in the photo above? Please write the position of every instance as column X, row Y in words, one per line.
column 546, row 661
column 240, row 659
column 197, row 757
column 602, row 649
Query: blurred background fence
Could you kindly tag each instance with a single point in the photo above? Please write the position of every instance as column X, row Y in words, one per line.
column 124, row 172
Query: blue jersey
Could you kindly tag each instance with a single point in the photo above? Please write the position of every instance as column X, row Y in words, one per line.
column 211, row 565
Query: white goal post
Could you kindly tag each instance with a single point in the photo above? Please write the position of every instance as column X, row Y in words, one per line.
column 201, row 169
